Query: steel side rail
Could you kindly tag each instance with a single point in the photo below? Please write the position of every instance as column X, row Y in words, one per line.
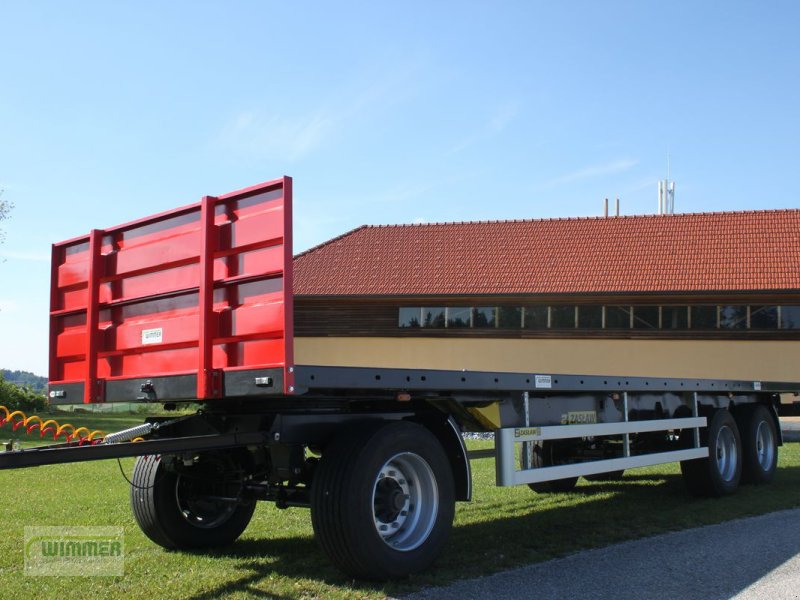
column 507, row 438
column 559, row 432
column 514, row 477
column 34, row 457
column 389, row 378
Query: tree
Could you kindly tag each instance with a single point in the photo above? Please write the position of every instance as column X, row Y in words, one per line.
column 15, row 397
column 5, row 211
column 25, row 379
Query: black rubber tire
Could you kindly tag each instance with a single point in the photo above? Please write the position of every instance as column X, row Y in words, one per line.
column 156, row 510
column 759, row 443
column 611, row 476
column 545, row 455
column 343, row 512
column 703, row 476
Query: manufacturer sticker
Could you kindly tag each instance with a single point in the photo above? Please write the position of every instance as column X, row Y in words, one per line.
column 525, row 431
column 543, row 382
column 579, row 417
column 152, row 336
column 757, row 386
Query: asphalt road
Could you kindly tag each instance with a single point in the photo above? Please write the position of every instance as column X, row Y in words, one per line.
column 749, row 559
column 752, row 558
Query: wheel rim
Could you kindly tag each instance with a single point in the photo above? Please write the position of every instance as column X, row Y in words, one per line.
column 765, row 446
column 203, row 513
column 726, row 453
column 405, row 501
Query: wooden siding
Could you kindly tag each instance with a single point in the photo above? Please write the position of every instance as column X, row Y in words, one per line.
column 378, row 317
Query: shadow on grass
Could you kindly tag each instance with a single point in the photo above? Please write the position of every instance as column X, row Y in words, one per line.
column 494, row 533
column 257, row 561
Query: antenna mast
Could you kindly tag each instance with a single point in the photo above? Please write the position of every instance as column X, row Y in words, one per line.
column 666, row 194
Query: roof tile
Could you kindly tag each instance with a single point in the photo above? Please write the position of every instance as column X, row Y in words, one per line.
column 726, row 251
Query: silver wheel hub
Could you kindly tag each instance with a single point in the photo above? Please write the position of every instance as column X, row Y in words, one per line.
column 765, row 446
column 405, row 501
column 727, row 455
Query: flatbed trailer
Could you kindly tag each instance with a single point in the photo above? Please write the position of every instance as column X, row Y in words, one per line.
column 195, row 306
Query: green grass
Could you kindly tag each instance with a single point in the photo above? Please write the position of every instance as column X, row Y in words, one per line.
column 278, row 558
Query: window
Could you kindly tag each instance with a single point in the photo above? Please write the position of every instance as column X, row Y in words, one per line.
column 590, row 317
column 790, row 317
column 535, row 317
column 675, row 317
column 645, row 317
column 618, row 317
column 733, row 317
column 433, row 317
column 459, row 317
column 509, row 317
column 593, row 317
column 704, row 317
column 763, row 317
column 409, row 317
column 562, row 317
column 484, row 317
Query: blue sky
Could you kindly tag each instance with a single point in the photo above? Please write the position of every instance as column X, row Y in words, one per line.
column 383, row 113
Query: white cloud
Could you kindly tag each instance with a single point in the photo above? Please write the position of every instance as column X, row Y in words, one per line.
column 416, row 188
column 497, row 123
column 272, row 136
column 8, row 306
column 27, row 256
column 643, row 184
column 503, row 117
column 269, row 134
column 592, row 171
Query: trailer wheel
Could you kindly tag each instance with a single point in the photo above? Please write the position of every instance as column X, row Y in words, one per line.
column 759, row 444
column 383, row 500
column 545, row 454
column 185, row 511
column 720, row 473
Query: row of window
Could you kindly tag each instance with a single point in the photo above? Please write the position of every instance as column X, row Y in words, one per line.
column 702, row 317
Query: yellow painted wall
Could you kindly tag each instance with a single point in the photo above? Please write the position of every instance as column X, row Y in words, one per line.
column 717, row 359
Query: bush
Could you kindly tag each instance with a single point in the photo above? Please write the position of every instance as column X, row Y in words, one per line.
column 14, row 397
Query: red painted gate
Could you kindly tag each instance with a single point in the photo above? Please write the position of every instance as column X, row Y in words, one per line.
column 194, row 302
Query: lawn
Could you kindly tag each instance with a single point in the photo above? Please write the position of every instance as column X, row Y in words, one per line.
column 277, row 556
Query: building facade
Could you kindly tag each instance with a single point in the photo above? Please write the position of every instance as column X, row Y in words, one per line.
column 713, row 295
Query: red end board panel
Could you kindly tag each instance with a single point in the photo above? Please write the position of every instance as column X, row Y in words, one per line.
column 202, row 289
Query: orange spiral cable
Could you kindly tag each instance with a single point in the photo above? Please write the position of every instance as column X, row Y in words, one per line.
column 33, row 422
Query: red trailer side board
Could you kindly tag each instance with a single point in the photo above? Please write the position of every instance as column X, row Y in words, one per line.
column 203, row 291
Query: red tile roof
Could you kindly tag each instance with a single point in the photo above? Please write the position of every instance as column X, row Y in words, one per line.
column 725, row 251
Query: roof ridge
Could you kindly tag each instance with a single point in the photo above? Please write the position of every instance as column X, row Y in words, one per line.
column 586, row 218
